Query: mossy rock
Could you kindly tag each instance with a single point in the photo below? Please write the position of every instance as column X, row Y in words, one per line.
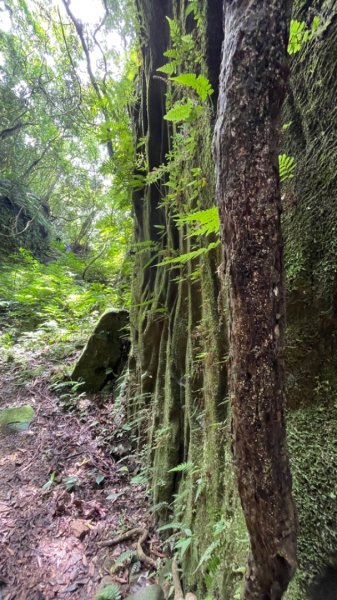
column 151, row 592
column 105, row 353
column 17, row 418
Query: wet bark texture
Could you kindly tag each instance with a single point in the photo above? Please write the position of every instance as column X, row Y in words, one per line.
column 252, row 87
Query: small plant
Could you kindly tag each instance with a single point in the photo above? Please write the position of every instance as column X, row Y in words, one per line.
column 286, row 167
column 51, row 481
column 182, row 468
column 70, row 483
column 110, row 592
column 181, row 538
column 300, row 34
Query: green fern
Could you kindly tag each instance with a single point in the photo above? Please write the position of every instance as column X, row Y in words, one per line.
column 300, row 34
column 182, row 111
column 185, row 258
column 182, row 45
column 158, row 507
column 182, row 546
column 169, row 68
column 198, row 83
column 209, row 552
column 110, row 592
column 178, row 526
column 122, row 558
column 183, row 467
column 205, row 222
column 286, row 167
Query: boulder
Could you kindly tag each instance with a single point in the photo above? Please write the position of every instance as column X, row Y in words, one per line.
column 150, row 592
column 16, row 419
column 105, row 353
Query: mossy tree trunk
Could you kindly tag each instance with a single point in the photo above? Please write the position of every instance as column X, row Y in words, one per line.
column 178, row 380
column 252, row 87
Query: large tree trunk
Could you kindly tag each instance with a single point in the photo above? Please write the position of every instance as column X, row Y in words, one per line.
column 252, row 88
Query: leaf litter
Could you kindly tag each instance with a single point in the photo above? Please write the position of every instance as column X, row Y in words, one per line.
column 62, row 492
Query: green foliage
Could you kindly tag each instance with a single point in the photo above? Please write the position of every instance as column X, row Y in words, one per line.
column 51, row 481
column 203, row 222
column 182, row 45
column 57, row 123
column 198, row 83
column 109, row 592
column 48, row 306
column 181, row 539
column 123, row 558
column 181, row 111
column 181, row 527
column 182, row 468
column 189, row 256
column 300, row 34
column 286, row 167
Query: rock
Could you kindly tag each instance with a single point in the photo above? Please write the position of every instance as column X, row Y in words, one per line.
column 16, row 419
column 151, row 592
column 105, row 353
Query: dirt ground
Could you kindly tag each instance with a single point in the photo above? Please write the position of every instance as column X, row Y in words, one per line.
column 61, row 493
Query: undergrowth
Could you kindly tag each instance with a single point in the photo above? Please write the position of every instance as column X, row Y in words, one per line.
column 48, row 307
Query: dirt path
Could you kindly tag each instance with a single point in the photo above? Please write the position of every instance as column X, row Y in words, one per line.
column 49, row 531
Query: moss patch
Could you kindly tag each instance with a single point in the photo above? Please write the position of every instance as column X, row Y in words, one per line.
column 313, row 450
column 16, row 415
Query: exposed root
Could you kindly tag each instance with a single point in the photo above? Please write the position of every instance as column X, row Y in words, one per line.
column 140, row 552
column 178, row 592
column 143, row 533
column 121, row 538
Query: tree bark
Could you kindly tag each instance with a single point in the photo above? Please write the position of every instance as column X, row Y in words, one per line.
column 252, row 88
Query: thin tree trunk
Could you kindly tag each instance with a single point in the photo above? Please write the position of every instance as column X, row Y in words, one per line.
column 252, row 87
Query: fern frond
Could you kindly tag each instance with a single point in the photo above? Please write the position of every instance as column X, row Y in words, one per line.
column 286, row 167
column 205, row 222
column 180, row 111
column 186, row 466
column 198, row 83
column 185, row 258
column 110, row 592
column 207, row 555
column 122, row 558
column 178, row 526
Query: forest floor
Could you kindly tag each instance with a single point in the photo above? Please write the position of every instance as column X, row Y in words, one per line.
column 62, row 492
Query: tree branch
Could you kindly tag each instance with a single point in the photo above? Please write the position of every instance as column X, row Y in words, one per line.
column 79, row 29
